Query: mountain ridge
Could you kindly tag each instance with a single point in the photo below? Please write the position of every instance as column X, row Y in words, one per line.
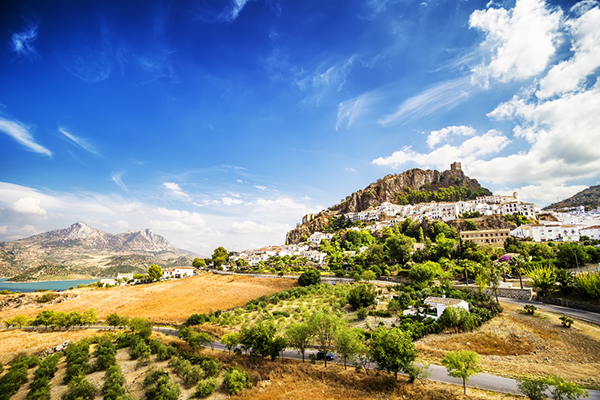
column 589, row 198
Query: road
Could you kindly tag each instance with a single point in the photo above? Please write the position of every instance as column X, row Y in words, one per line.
column 587, row 316
column 438, row 373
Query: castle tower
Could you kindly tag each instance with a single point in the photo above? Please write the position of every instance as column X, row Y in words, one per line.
column 455, row 166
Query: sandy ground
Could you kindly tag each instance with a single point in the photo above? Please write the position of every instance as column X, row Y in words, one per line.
column 168, row 301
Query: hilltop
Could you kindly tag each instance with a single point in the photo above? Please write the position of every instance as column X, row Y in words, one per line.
column 410, row 187
column 589, row 198
column 81, row 250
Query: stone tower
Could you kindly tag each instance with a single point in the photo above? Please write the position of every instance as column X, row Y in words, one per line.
column 455, row 166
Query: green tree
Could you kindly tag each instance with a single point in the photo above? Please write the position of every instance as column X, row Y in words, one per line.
column 310, row 277
column 533, row 388
column 261, row 338
column 231, row 340
column 299, row 336
column 326, row 326
column 18, row 320
column 392, row 349
column 462, row 364
column 154, row 272
column 361, row 295
column 45, row 318
column 89, row 316
column 368, row 275
column 423, row 274
column 199, row 263
column 348, row 343
column 220, row 256
column 563, row 389
column 141, row 325
column 398, row 248
column 542, row 278
column 235, row 380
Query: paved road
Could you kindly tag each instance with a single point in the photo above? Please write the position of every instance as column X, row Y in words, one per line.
column 438, row 373
column 587, row 316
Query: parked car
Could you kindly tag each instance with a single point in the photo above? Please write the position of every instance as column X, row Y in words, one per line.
column 321, row 356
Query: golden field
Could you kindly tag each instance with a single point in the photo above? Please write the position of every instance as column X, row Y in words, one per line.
column 167, row 302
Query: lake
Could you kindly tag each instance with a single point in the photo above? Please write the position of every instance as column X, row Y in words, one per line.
column 47, row 285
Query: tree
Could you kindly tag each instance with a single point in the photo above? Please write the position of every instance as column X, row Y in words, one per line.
column 398, row 248
column 392, row 350
column 563, row 389
column 566, row 321
column 310, row 277
column 589, row 282
column 533, row 388
column 368, row 275
column 154, row 272
column 220, row 256
column 348, row 343
column 198, row 263
column 89, row 316
column 422, row 274
column 462, row 364
column 19, row 320
column 542, row 278
column 261, row 338
column 141, row 325
column 45, row 318
column 231, row 340
column 299, row 336
column 235, row 380
column 361, row 295
column 326, row 326
column 113, row 320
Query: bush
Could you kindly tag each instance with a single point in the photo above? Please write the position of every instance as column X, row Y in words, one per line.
column 380, row 313
column 16, row 375
column 281, row 313
column 196, row 319
column 105, row 355
column 362, row 313
column 46, row 297
column 310, row 277
column 235, row 380
column 164, row 389
column 80, row 389
column 114, row 383
column 78, row 356
column 206, row 387
column 361, row 295
column 40, row 387
column 533, row 388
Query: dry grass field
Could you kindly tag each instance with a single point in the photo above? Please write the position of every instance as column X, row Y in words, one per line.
column 284, row 380
column 515, row 344
column 165, row 302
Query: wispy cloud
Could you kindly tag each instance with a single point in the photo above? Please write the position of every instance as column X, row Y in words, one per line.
column 83, row 143
column 21, row 134
column 234, row 9
column 443, row 96
column 116, row 178
column 175, row 190
column 22, row 42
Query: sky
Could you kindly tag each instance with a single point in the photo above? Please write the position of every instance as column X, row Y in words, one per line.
column 223, row 122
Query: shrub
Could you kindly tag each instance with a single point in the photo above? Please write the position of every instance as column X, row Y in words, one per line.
column 361, row 295
column 80, row 389
column 114, row 382
column 530, row 308
column 139, row 349
column 78, row 356
column 281, row 313
column 40, row 387
column 533, row 388
column 235, row 380
column 16, row 375
column 206, row 387
column 380, row 313
column 310, row 277
column 46, row 297
column 362, row 313
column 105, row 355
column 566, row 321
column 164, row 389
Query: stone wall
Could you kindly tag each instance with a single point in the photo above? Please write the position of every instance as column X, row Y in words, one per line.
column 569, row 303
column 511, row 293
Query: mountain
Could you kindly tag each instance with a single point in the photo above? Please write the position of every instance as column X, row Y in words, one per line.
column 81, row 250
column 589, row 198
column 410, row 187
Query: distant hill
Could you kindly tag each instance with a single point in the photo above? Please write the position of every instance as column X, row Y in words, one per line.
column 410, row 187
column 82, row 251
column 590, row 198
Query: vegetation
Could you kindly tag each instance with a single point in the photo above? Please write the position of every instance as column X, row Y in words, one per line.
column 462, row 364
column 40, row 387
column 235, row 380
column 392, row 350
column 16, row 375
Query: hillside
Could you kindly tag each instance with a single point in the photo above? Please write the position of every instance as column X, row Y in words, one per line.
column 589, row 198
column 82, row 251
column 410, row 187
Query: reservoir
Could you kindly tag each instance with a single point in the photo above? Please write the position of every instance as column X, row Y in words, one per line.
column 47, row 285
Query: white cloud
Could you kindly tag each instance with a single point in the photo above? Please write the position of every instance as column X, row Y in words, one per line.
column 16, row 232
column 259, row 187
column 251, row 227
column 436, row 137
column 28, row 205
column 175, row 190
column 21, row 134
column 570, row 75
column 234, row 9
column 350, row 110
column 23, row 41
column 544, row 193
column 467, row 152
column 522, row 41
column 443, row 96
column 350, row 169
column 83, row 143
column 228, row 201
column 116, row 178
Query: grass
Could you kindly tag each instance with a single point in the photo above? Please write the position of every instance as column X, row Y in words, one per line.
column 169, row 302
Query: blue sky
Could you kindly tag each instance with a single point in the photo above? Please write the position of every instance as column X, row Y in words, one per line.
column 224, row 122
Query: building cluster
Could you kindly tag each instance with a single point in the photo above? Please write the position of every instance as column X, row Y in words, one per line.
column 447, row 211
column 254, row 257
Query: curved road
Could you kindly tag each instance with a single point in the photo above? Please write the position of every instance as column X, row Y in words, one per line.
column 587, row 316
column 438, row 373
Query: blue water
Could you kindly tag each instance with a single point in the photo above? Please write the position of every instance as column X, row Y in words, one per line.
column 48, row 285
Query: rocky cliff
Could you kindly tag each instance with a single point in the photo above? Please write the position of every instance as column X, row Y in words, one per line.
column 589, row 198
column 395, row 189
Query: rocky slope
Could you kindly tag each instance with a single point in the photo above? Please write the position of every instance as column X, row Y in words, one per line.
column 81, row 249
column 589, row 198
column 394, row 189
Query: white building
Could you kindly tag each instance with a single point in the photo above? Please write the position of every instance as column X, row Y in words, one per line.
column 178, row 272
column 593, row 232
column 439, row 304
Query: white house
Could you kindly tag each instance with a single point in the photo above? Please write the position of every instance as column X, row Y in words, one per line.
column 593, row 232
column 316, row 237
column 178, row 272
column 439, row 304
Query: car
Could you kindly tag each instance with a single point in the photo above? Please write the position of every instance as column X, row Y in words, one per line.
column 321, row 356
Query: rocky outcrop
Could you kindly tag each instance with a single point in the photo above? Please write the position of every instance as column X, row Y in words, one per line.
column 303, row 231
column 388, row 188
column 483, row 223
